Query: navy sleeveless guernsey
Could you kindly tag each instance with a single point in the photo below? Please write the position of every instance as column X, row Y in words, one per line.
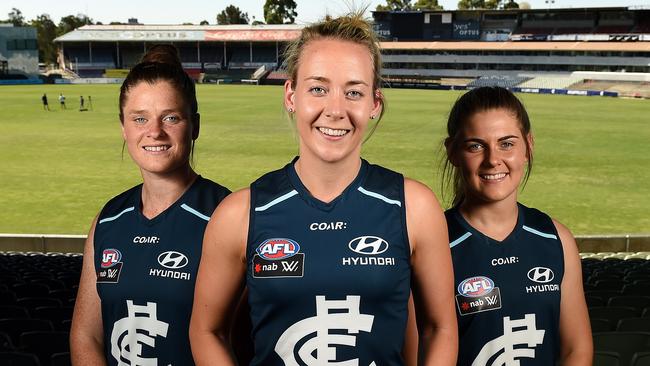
column 508, row 292
column 328, row 282
column 146, row 271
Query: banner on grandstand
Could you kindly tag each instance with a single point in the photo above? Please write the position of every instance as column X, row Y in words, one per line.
column 382, row 30
column 467, row 29
column 264, row 35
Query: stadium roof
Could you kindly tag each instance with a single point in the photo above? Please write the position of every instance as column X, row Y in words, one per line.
column 180, row 33
column 523, row 46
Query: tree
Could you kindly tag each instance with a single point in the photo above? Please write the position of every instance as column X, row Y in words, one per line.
column 395, row 5
column 16, row 18
column 471, row 4
column 510, row 5
column 232, row 15
column 427, row 5
column 204, row 22
column 280, row 11
column 72, row 22
column 45, row 34
column 487, row 4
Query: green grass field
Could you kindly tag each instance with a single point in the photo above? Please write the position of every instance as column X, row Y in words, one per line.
column 592, row 166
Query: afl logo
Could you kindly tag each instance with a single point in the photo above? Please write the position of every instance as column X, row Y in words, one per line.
column 172, row 259
column 110, row 257
column 476, row 286
column 369, row 245
column 541, row 275
column 274, row 249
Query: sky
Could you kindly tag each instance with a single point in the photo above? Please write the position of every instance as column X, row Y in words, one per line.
column 194, row 11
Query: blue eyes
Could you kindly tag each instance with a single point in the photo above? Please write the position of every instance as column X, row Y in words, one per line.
column 503, row 145
column 169, row 119
column 352, row 94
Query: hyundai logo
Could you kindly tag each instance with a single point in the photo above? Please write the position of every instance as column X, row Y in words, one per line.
column 541, row 275
column 173, row 260
column 369, row 245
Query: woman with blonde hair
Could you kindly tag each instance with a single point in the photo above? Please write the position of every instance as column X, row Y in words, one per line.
column 330, row 246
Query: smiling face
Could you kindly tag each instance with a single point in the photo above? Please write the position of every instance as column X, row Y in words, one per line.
column 157, row 128
column 333, row 97
column 492, row 156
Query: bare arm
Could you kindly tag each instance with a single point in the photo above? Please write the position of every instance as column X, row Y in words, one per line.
column 575, row 330
column 410, row 350
column 433, row 278
column 86, row 333
column 219, row 281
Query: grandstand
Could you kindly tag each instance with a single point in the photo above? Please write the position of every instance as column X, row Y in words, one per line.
column 228, row 52
column 525, row 49
column 18, row 53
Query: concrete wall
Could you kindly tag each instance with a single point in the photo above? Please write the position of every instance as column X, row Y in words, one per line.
column 75, row 243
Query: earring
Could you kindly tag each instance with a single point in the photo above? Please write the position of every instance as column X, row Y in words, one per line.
column 290, row 110
column 372, row 116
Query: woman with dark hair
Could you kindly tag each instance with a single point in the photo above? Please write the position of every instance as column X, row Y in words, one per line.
column 143, row 250
column 517, row 272
column 330, row 246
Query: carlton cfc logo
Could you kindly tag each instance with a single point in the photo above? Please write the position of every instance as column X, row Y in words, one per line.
column 110, row 257
column 476, row 286
column 274, row 249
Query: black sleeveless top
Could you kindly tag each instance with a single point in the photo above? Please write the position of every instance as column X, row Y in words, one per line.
column 146, row 271
column 328, row 282
column 508, row 292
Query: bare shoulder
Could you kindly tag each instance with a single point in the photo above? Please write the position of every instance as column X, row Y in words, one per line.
column 228, row 227
column 566, row 237
column 233, row 206
column 418, row 195
column 424, row 217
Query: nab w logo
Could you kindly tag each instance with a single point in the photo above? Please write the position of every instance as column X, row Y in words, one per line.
column 289, row 266
column 541, row 275
column 369, row 245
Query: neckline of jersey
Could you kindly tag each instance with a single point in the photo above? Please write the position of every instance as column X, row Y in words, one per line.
column 303, row 192
column 491, row 241
column 161, row 216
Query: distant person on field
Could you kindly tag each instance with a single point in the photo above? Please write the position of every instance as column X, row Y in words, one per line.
column 90, row 103
column 81, row 103
column 62, row 100
column 45, row 104
column 137, row 283
column 517, row 270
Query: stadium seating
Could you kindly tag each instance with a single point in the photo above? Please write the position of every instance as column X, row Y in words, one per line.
column 606, row 359
column 641, row 359
column 626, row 344
column 620, row 319
column 550, row 82
column 18, row 359
column 503, row 81
column 36, row 298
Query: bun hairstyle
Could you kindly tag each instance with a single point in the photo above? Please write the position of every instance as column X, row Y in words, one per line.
column 161, row 63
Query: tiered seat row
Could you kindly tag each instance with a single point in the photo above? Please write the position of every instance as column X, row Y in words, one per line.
column 617, row 290
column 37, row 294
